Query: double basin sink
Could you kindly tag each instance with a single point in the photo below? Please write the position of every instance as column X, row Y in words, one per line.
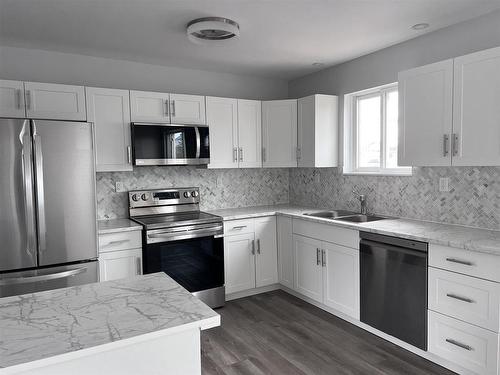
column 344, row 215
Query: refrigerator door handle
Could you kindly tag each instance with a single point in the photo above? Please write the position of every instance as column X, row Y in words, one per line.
column 27, row 176
column 38, row 278
column 42, row 229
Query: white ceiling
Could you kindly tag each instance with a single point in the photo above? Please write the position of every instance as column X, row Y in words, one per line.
column 279, row 38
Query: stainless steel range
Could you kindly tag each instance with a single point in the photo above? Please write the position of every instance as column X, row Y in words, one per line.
column 181, row 241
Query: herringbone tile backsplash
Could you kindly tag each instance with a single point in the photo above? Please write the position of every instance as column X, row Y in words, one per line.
column 219, row 188
column 473, row 199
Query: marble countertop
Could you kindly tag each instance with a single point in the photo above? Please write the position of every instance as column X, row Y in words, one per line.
column 468, row 238
column 117, row 225
column 46, row 324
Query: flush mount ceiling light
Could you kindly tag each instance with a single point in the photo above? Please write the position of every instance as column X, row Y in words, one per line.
column 212, row 29
column 420, row 26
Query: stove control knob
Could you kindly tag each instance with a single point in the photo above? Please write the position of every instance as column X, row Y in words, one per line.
column 135, row 197
column 144, row 197
column 186, row 194
column 194, row 193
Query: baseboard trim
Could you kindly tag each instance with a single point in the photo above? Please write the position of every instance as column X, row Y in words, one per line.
column 252, row 292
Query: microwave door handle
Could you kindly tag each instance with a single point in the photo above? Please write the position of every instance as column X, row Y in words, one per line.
column 42, row 229
column 198, row 142
column 27, row 176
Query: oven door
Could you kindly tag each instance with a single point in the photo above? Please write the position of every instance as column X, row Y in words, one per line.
column 170, row 144
column 195, row 263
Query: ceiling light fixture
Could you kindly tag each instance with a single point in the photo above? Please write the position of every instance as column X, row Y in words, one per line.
column 212, row 29
column 420, row 26
column 317, row 64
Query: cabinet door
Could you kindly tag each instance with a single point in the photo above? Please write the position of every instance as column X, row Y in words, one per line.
column 222, row 119
column 306, row 131
column 147, row 106
column 12, row 99
column 266, row 260
column 249, row 133
column 476, row 109
column 187, row 109
column 308, row 274
column 279, row 133
column 109, row 110
column 55, row 102
column 341, row 278
column 285, row 251
column 120, row 264
column 239, row 262
column 425, row 115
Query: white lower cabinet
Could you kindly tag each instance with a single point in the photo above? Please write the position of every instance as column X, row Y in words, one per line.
column 469, row 346
column 250, row 258
column 285, row 251
column 120, row 264
column 120, row 255
column 327, row 273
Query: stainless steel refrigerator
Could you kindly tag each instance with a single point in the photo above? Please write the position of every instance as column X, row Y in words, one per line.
column 48, row 222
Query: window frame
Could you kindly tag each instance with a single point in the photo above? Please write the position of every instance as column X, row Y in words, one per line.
column 351, row 139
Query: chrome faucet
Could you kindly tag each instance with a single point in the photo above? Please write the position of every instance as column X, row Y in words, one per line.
column 362, row 201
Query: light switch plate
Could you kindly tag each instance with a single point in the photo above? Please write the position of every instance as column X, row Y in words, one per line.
column 119, row 187
column 444, row 184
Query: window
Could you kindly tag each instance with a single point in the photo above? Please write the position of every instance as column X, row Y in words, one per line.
column 371, row 132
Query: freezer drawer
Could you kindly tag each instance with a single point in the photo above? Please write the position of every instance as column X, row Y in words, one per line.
column 15, row 283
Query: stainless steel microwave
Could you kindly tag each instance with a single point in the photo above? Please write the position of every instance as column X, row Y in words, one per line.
column 170, row 144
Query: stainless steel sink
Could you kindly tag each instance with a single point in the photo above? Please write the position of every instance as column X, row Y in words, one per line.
column 333, row 214
column 359, row 218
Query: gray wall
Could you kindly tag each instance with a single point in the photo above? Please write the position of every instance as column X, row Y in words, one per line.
column 49, row 66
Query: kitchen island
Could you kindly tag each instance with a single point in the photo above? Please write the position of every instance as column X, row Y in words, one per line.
column 143, row 325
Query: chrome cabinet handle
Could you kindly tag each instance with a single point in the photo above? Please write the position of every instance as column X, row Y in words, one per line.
column 239, row 227
column 138, row 265
column 323, row 258
column 235, row 154
column 167, row 112
column 263, row 154
column 116, row 242
column 464, row 262
column 454, row 144
column 129, row 154
column 253, row 247
column 463, row 299
column 318, row 261
column 258, row 246
column 18, row 98
column 459, row 344
column 172, row 108
column 241, row 154
column 446, row 143
column 28, row 99
column 298, row 153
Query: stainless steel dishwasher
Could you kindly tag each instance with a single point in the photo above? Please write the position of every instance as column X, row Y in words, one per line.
column 393, row 287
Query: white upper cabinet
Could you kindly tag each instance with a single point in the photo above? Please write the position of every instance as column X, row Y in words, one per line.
column 187, row 109
column 279, row 133
column 266, row 258
column 222, row 119
column 476, row 109
column 249, row 134
column 109, row 110
column 158, row 107
column 425, row 115
column 317, row 142
column 146, row 106
column 55, row 102
column 12, row 99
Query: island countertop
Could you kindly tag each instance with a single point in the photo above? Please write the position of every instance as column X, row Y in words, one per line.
column 46, row 324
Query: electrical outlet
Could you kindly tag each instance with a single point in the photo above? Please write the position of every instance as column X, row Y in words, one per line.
column 444, row 184
column 119, row 187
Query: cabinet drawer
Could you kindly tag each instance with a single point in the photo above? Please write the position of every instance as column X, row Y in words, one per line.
column 325, row 232
column 473, row 300
column 468, row 262
column 243, row 226
column 120, row 241
column 469, row 346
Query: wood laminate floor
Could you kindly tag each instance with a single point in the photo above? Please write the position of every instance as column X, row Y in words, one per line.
column 277, row 333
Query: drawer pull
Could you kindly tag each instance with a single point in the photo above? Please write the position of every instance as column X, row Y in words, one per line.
column 460, row 345
column 464, row 262
column 116, row 242
column 463, row 299
column 239, row 227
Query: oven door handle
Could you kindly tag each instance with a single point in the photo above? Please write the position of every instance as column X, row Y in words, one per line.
column 174, row 236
